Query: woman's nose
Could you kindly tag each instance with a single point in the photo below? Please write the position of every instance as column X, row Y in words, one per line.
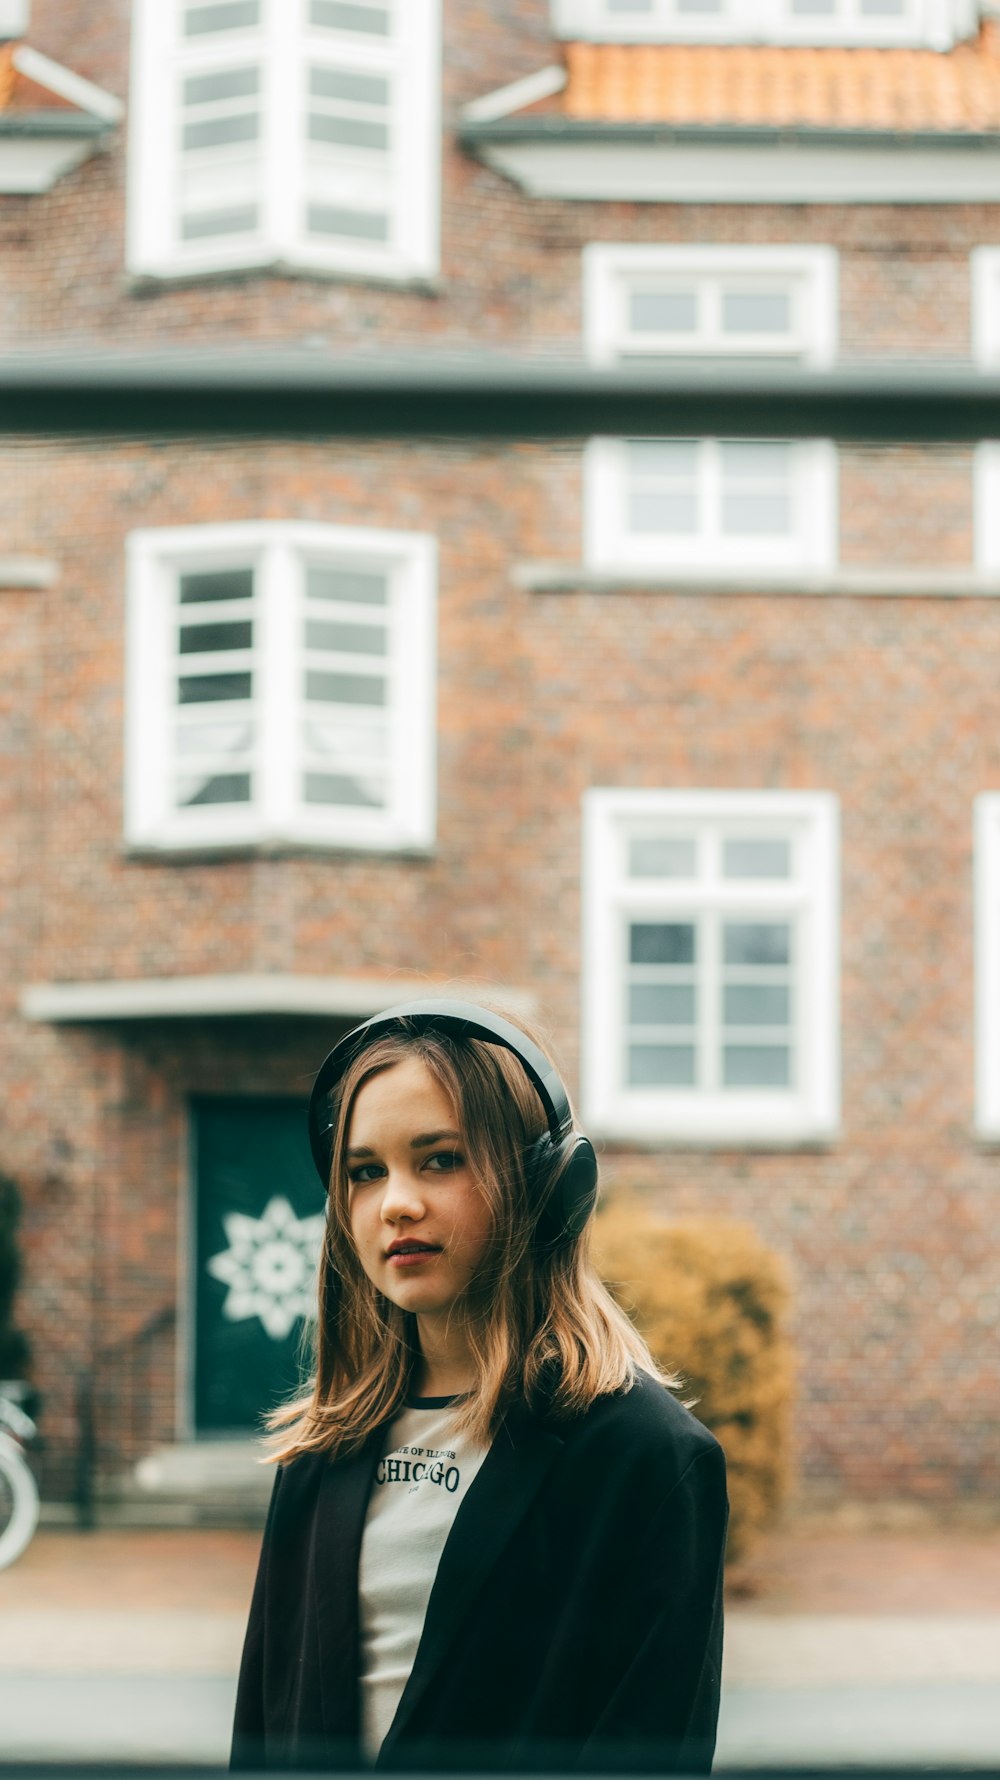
column 402, row 1197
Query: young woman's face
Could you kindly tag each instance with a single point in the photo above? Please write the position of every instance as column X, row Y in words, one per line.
column 420, row 1223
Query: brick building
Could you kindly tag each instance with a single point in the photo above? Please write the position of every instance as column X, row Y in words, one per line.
column 686, row 745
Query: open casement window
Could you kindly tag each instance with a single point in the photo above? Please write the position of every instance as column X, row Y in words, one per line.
column 987, row 878
column 936, row 24
column 298, row 132
column 280, row 687
column 711, row 965
column 739, row 506
column 719, row 302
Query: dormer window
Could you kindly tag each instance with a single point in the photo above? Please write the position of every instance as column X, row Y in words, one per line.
column 935, row 24
column 290, row 132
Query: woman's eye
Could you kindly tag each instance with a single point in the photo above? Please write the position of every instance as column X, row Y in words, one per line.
column 445, row 1161
column 363, row 1173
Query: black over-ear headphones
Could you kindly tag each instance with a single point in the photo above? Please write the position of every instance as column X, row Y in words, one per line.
column 560, row 1166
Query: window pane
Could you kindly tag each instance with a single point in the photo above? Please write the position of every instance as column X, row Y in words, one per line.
column 674, row 458
column 217, row 584
column 341, row 83
column 346, row 15
column 756, row 312
column 203, row 639
column 240, row 220
column 346, row 689
column 756, row 859
column 756, row 496
column 661, row 942
column 661, row 1004
column 213, row 132
column 233, row 83
column 355, row 225
column 755, row 1004
column 214, row 738
column 341, row 788
column 630, row 5
column 205, row 689
column 663, row 312
column 661, row 858
column 219, row 788
column 814, row 8
column 226, row 15
column 361, row 587
column 757, row 942
column 672, row 514
column 356, row 639
column 661, row 1066
column 355, row 132
column 883, row 9
column 699, row 5
column 756, row 1066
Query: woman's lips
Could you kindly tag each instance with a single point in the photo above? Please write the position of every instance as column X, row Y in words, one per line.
column 412, row 1257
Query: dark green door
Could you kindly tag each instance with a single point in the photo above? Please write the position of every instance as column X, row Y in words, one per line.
column 259, row 1222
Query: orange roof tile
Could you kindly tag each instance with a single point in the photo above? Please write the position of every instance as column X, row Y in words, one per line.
column 843, row 89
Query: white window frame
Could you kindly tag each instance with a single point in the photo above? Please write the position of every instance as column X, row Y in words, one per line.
column 612, row 1109
column 936, row 24
column 275, row 549
column 610, row 548
column 283, row 45
column 986, row 825
column 986, row 506
column 984, row 280
column 612, row 270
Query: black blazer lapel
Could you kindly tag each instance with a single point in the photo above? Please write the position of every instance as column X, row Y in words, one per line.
column 501, row 1494
column 340, row 1519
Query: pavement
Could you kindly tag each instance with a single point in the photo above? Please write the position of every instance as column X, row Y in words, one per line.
column 842, row 1647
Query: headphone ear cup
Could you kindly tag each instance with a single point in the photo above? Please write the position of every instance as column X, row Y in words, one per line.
column 566, row 1203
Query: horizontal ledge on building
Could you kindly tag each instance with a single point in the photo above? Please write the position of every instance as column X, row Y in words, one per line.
column 27, row 571
column 312, row 393
column 553, row 577
column 155, row 998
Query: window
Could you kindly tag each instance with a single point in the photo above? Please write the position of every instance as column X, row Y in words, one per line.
column 986, row 502
column 711, row 965
column 280, row 687
column 741, row 506
column 299, row 132
column 985, row 282
column 987, row 885
column 657, row 302
column 935, row 23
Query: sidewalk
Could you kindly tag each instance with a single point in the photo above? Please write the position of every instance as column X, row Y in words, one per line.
column 840, row 1647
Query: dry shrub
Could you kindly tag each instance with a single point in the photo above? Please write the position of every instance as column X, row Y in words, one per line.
column 711, row 1300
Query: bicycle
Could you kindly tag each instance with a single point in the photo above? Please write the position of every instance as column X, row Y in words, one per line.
column 19, row 1503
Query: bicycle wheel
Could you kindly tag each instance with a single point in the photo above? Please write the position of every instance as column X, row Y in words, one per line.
column 18, row 1502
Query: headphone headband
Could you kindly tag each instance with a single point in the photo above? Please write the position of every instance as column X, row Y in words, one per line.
column 458, row 1019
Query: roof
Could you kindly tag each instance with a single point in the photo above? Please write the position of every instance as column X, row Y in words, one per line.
column 39, row 95
column 751, row 86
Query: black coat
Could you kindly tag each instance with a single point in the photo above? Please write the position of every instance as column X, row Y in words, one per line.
column 575, row 1618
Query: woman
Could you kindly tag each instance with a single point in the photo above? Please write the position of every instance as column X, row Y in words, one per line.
column 495, row 1538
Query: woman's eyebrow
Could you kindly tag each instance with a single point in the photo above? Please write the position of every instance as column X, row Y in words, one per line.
column 422, row 1143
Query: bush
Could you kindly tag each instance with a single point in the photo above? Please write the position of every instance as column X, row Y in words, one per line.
column 711, row 1299
column 13, row 1345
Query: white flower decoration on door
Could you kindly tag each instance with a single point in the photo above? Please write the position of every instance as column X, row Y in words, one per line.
column 269, row 1266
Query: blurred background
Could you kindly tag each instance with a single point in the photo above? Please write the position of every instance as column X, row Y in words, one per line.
column 684, row 745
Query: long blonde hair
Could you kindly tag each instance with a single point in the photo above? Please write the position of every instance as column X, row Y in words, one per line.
column 543, row 1329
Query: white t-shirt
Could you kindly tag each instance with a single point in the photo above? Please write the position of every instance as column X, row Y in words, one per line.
column 421, row 1478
